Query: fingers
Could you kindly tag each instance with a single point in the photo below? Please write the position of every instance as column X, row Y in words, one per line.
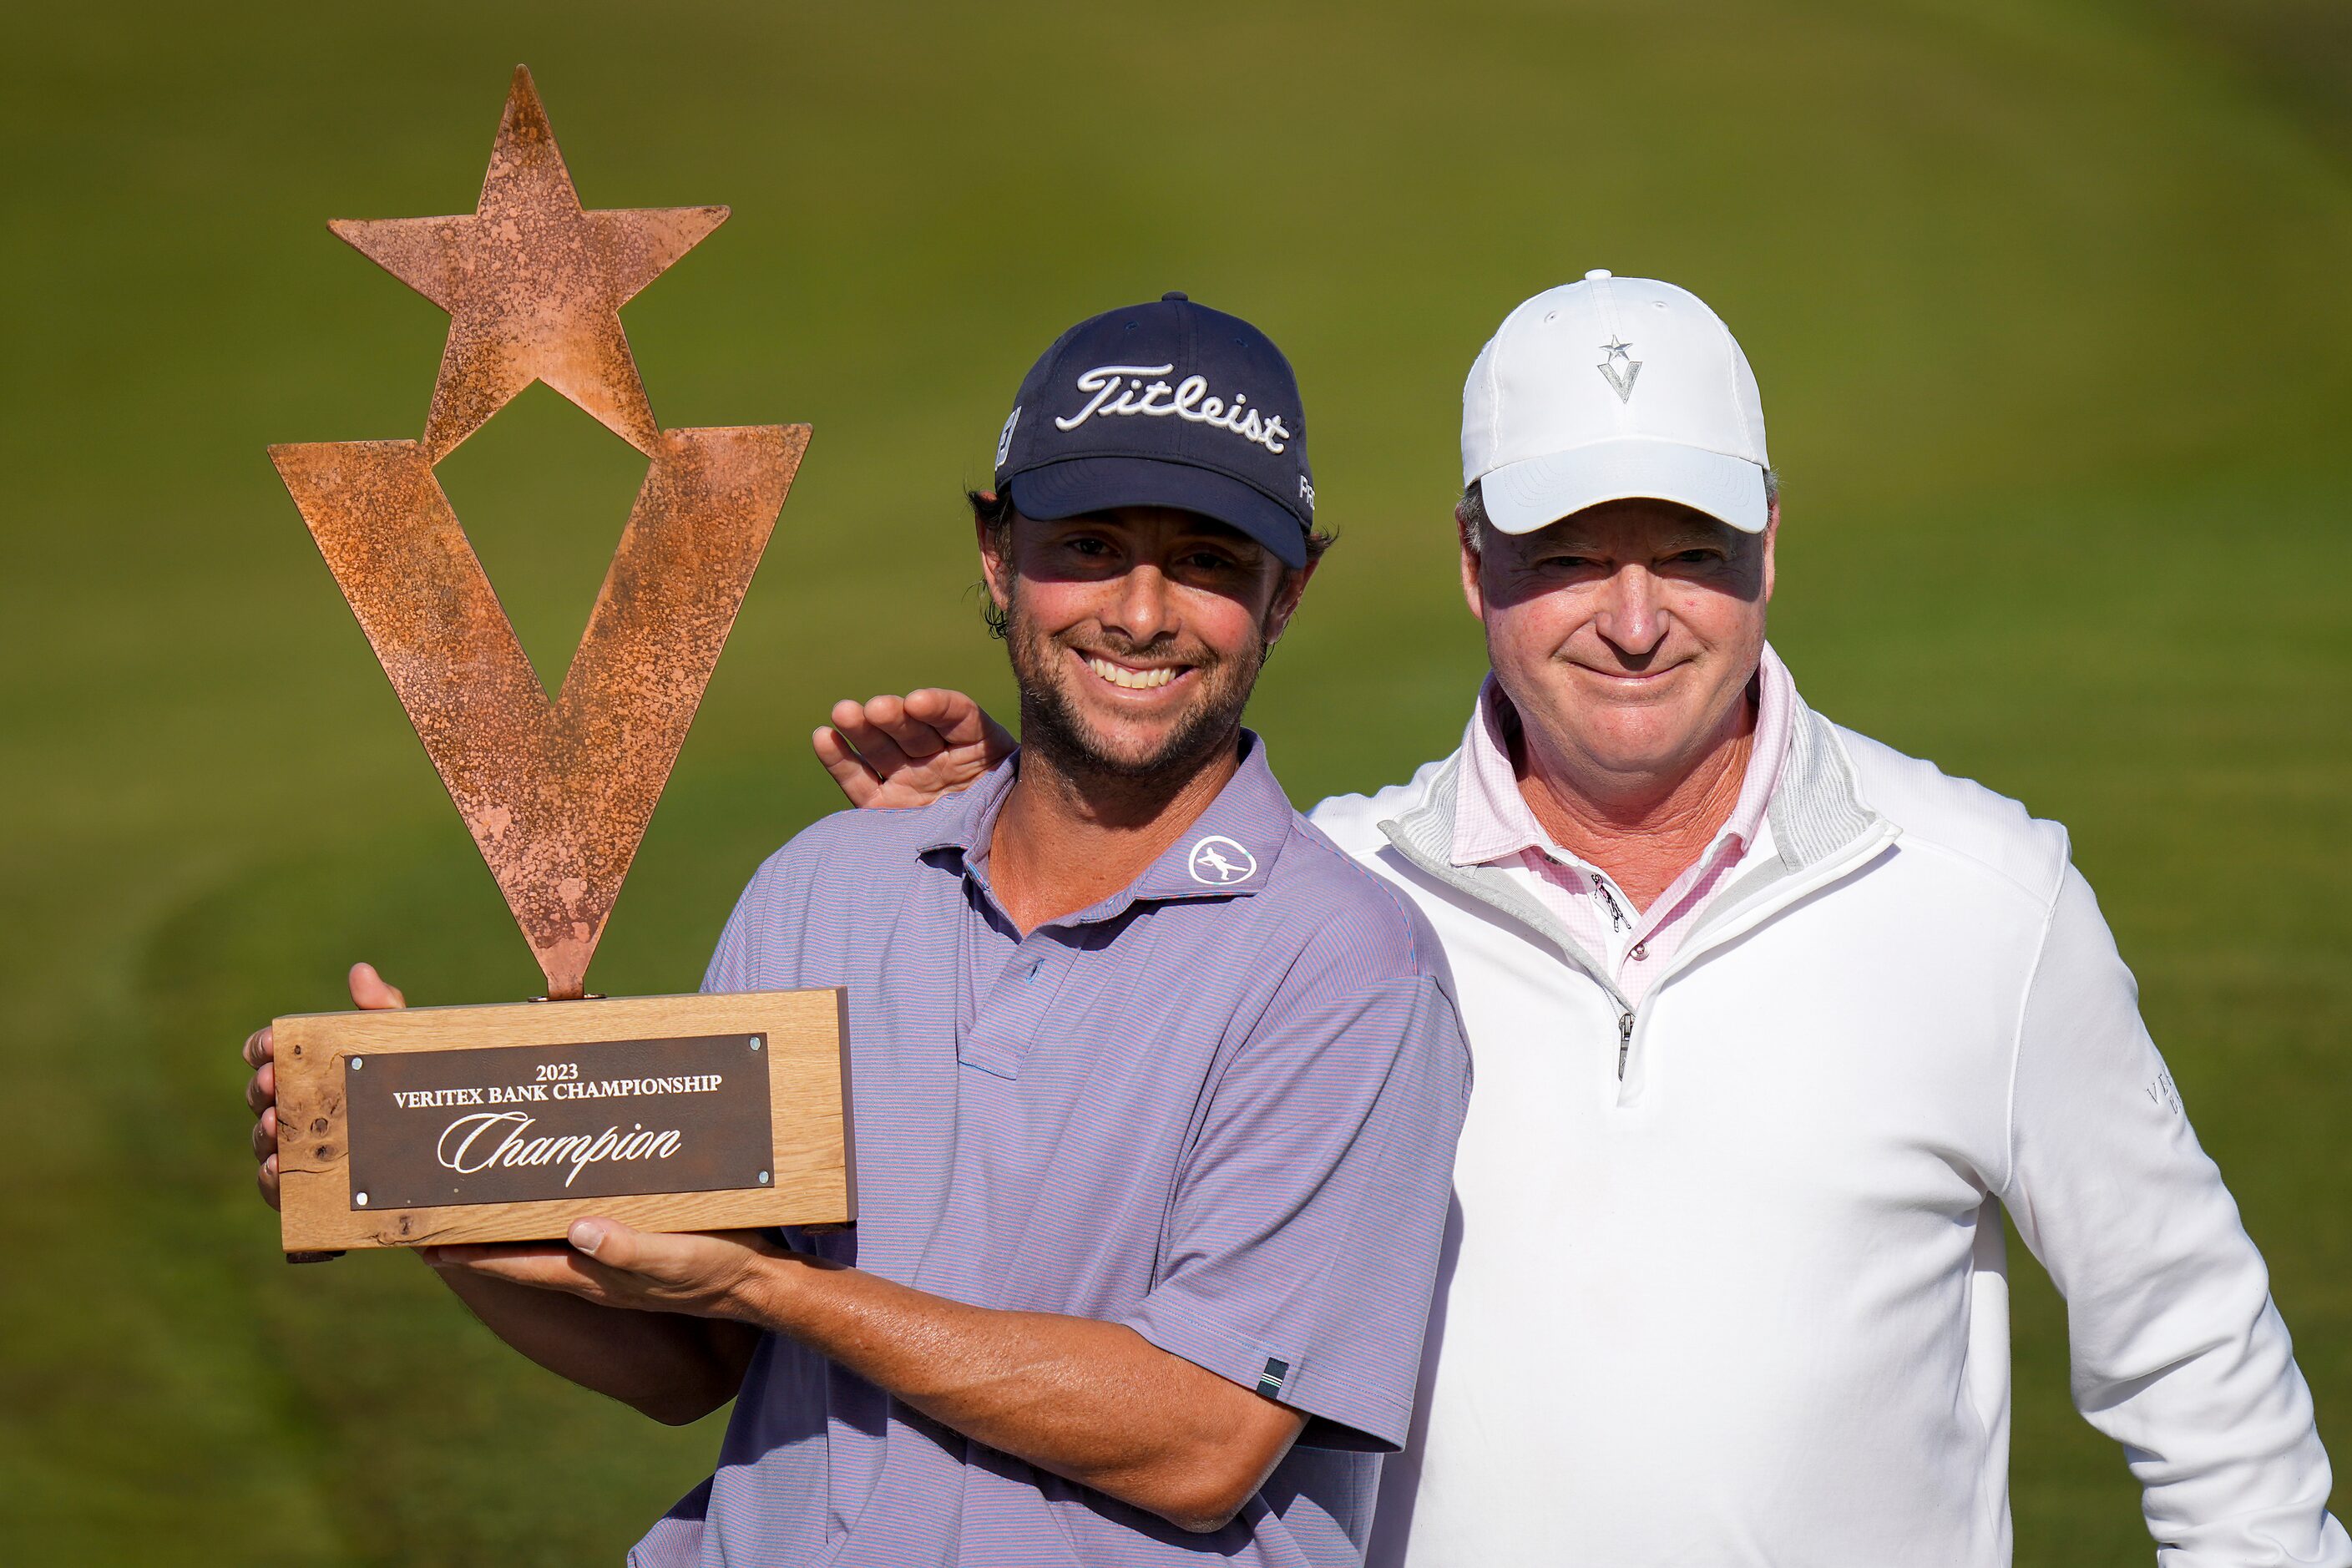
column 916, row 728
column 261, row 1089
column 542, row 1265
column 616, row 1246
column 610, row 1263
column 480, row 1255
column 261, row 1097
column 372, row 991
column 923, row 744
column 875, row 745
column 687, row 1265
column 369, row 989
column 693, row 1269
column 848, row 770
column 957, row 720
column 895, row 718
column 557, row 1265
column 942, row 709
column 887, row 731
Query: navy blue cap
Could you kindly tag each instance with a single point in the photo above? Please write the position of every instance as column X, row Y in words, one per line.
column 1169, row 403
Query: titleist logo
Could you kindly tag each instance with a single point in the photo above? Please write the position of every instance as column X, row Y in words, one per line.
column 475, row 1142
column 1130, row 389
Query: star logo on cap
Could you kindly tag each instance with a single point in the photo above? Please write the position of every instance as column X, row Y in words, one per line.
column 1617, row 370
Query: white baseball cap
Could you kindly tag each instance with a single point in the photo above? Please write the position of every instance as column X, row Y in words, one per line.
column 1609, row 389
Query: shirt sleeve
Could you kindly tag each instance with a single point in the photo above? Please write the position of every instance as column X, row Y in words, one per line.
column 1303, row 1239
column 731, row 961
column 758, row 950
column 2177, row 1352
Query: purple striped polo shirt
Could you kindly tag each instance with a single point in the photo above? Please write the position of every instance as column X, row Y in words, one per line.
column 1219, row 1107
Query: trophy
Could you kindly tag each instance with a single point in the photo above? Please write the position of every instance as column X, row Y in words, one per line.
column 507, row 1122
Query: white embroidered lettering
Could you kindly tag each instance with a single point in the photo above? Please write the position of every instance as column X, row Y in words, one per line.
column 1123, row 389
column 1104, row 380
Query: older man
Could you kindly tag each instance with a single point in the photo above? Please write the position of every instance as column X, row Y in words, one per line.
column 1157, row 1091
column 1770, row 1023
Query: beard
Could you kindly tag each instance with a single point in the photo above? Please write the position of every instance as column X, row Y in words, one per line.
column 1053, row 725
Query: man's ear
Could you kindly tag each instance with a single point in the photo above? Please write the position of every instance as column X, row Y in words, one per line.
column 995, row 565
column 1772, row 534
column 1286, row 595
column 1472, row 594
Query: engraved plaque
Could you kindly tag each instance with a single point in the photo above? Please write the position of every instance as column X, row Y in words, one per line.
column 509, row 1124
column 415, row 1126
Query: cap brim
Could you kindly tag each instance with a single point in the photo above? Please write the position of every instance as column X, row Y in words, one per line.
column 1080, row 484
column 1523, row 497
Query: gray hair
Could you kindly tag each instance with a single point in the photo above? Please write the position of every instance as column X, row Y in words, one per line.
column 1470, row 512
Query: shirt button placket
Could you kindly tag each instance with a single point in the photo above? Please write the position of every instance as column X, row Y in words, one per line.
column 1008, row 1019
column 1036, row 980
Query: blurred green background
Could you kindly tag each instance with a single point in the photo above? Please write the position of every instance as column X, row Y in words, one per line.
column 2047, row 298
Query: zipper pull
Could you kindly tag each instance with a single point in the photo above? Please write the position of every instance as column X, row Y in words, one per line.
column 1617, row 921
column 1624, row 1042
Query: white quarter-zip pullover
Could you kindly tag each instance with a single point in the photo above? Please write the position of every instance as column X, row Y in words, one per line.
column 1724, row 1280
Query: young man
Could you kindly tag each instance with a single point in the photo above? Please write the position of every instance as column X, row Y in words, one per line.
column 1157, row 1092
column 1772, row 1024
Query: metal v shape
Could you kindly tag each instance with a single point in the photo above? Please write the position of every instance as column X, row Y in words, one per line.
column 556, row 795
column 1621, row 381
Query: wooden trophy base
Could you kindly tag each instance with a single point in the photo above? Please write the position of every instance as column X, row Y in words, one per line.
column 423, row 1125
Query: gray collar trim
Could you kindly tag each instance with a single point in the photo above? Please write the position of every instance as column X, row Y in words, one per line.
column 1817, row 810
column 1425, row 836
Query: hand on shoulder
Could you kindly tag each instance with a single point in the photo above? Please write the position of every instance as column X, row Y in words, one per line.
column 898, row 752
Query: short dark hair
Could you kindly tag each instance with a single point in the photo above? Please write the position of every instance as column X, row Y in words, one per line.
column 994, row 513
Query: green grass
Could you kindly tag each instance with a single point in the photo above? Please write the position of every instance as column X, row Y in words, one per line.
column 2046, row 301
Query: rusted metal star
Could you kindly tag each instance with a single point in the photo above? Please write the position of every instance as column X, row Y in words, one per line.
column 556, row 794
column 533, row 285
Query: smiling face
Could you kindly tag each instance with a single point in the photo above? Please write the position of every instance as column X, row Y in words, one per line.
column 1625, row 636
column 1136, row 635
